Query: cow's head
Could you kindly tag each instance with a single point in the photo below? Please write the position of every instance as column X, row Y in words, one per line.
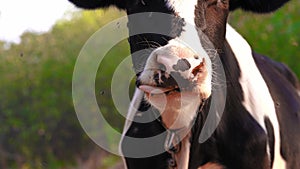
column 209, row 16
column 173, row 70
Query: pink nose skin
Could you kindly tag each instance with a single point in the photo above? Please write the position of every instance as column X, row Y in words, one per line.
column 182, row 65
column 174, row 82
column 167, row 62
column 154, row 90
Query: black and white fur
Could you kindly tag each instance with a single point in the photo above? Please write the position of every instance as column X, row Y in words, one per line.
column 260, row 125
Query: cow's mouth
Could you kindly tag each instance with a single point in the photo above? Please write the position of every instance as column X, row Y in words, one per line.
column 154, row 90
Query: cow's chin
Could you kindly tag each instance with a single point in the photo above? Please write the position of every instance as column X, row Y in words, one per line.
column 177, row 108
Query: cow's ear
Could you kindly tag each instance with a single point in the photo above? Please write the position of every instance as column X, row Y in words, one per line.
column 259, row 6
column 94, row 4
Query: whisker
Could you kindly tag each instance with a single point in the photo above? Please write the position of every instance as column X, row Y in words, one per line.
column 150, row 44
column 155, row 44
column 163, row 38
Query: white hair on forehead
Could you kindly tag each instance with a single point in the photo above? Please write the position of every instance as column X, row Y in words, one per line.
column 184, row 8
column 190, row 35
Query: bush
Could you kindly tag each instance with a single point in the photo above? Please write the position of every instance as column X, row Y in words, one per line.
column 38, row 125
column 275, row 34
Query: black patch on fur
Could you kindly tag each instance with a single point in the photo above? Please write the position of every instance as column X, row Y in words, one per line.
column 239, row 141
column 156, row 78
column 271, row 138
column 283, row 89
column 145, row 130
column 169, row 27
column 182, row 65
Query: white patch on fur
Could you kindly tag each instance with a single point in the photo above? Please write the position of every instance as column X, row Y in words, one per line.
column 170, row 54
column 190, row 37
column 257, row 98
column 186, row 10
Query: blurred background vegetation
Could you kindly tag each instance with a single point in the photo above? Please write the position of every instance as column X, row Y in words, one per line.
column 38, row 125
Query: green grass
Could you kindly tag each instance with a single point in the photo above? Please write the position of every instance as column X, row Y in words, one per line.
column 276, row 34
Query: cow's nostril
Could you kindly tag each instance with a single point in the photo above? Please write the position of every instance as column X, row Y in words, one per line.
column 162, row 67
column 138, row 83
column 156, row 78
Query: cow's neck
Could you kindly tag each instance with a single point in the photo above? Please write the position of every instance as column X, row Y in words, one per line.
column 256, row 96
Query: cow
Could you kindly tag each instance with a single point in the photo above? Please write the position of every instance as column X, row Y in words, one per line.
column 252, row 100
